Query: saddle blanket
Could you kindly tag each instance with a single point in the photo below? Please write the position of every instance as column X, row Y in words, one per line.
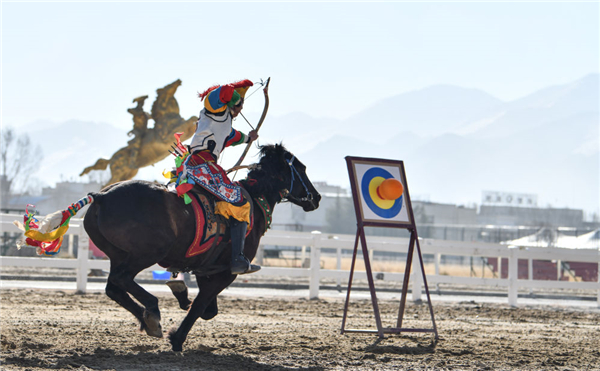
column 210, row 227
column 209, row 230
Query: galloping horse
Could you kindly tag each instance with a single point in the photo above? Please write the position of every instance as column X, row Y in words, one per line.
column 138, row 224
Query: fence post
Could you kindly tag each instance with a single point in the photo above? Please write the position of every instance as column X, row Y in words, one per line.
column 83, row 250
column 500, row 267
column 315, row 265
column 513, row 275
column 417, row 277
column 558, row 269
column 302, row 257
column 530, row 273
column 71, row 239
column 438, row 261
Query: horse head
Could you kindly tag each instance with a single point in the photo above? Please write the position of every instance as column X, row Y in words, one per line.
column 285, row 176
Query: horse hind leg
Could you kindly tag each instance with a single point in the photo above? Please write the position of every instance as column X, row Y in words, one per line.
column 148, row 323
column 115, row 255
column 123, row 299
column 150, row 318
column 123, row 269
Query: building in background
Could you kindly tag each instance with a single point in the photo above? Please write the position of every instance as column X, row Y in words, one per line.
column 289, row 217
column 502, row 216
column 52, row 198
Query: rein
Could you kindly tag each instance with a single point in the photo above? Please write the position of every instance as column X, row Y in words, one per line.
column 288, row 193
column 284, row 195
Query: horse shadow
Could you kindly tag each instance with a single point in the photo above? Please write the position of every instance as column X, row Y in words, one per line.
column 419, row 348
column 142, row 356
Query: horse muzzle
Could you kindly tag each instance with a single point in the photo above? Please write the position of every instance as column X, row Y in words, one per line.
column 310, row 202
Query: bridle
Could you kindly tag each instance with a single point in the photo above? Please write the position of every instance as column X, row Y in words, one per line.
column 287, row 194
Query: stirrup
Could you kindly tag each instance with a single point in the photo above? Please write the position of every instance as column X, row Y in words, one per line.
column 251, row 269
column 243, row 268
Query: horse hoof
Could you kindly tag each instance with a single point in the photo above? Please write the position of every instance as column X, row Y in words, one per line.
column 177, row 348
column 175, row 345
column 153, row 327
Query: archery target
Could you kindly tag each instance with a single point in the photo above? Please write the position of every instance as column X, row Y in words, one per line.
column 374, row 207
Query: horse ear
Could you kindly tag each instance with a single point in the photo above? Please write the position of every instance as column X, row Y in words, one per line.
column 273, row 154
column 280, row 151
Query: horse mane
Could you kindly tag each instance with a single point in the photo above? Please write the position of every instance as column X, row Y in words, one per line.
column 270, row 175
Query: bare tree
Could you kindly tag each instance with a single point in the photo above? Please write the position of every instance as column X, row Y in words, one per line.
column 18, row 162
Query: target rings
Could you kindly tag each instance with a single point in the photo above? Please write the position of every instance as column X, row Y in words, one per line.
column 381, row 192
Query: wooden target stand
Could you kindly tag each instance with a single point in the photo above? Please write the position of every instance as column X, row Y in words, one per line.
column 365, row 175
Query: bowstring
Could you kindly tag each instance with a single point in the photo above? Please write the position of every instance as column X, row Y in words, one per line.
column 262, row 84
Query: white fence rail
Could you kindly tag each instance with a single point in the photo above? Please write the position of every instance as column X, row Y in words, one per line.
column 317, row 241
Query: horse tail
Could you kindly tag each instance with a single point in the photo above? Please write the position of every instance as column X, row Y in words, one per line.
column 95, row 196
column 46, row 233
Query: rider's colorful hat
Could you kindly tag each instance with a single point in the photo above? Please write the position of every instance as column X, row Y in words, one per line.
column 219, row 97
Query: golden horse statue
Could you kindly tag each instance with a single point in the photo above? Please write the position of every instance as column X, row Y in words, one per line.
column 148, row 146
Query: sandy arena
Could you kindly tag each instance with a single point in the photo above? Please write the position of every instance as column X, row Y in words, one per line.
column 59, row 330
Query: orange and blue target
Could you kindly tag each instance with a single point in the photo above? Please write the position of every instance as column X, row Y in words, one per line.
column 387, row 205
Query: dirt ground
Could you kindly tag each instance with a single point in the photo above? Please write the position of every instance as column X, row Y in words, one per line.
column 59, row 330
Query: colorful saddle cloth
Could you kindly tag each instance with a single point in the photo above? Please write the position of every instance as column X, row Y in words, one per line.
column 201, row 169
column 210, row 227
column 211, row 177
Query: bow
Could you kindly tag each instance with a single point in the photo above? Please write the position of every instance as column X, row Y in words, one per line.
column 260, row 122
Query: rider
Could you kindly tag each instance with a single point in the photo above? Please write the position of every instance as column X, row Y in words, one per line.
column 214, row 132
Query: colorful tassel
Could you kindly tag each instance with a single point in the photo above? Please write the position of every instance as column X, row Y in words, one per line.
column 47, row 234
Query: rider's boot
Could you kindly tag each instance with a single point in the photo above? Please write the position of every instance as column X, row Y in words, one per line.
column 239, row 263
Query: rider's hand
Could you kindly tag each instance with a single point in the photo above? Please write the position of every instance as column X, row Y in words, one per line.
column 253, row 135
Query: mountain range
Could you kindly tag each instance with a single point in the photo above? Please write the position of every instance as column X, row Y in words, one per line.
column 455, row 143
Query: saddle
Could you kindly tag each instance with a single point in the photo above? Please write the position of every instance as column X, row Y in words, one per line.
column 210, row 227
column 212, row 230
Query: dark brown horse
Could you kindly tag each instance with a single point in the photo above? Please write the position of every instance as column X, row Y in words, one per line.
column 138, row 224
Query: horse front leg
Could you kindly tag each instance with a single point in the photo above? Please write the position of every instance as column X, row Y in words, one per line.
column 180, row 291
column 206, row 299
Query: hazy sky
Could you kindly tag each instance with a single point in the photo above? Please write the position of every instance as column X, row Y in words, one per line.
column 81, row 60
